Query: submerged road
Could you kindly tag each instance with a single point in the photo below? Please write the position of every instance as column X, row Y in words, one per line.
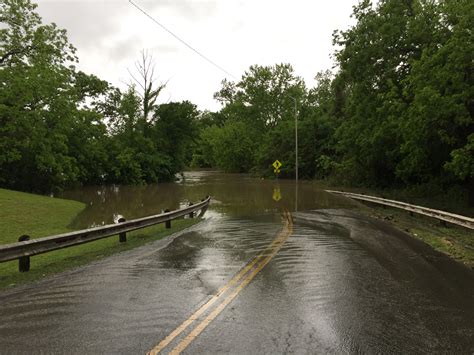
column 318, row 281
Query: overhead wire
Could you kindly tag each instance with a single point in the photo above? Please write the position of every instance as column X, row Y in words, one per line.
column 181, row 40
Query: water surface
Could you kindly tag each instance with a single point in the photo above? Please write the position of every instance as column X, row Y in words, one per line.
column 232, row 195
column 342, row 283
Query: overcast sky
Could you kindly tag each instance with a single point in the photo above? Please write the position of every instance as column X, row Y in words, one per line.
column 110, row 34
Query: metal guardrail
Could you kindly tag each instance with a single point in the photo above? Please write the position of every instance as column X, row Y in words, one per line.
column 463, row 221
column 24, row 249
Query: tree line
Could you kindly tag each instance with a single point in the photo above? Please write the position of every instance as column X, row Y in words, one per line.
column 60, row 127
column 396, row 110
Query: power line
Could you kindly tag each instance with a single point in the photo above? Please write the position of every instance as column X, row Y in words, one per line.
column 181, row 40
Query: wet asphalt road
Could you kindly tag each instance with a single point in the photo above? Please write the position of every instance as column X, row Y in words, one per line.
column 340, row 283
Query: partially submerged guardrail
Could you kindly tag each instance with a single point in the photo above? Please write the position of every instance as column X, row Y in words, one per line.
column 26, row 247
column 463, row 221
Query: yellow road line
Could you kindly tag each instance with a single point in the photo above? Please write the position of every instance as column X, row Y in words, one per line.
column 278, row 243
column 201, row 310
column 204, row 307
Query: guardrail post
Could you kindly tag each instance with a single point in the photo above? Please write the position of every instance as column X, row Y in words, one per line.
column 24, row 261
column 25, row 248
column 167, row 223
column 204, row 209
column 123, row 235
column 191, row 215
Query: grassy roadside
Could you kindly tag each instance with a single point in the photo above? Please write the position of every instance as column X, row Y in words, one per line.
column 454, row 200
column 22, row 213
column 35, row 215
column 455, row 241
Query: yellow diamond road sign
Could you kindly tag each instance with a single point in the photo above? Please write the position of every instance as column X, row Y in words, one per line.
column 276, row 164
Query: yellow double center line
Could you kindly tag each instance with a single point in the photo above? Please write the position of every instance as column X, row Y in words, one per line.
column 244, row 277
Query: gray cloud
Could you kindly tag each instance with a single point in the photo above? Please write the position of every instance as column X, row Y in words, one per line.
column 90, row 22
column 87, row 23
column 190, row 9
column 109, row 35
column 123, row 48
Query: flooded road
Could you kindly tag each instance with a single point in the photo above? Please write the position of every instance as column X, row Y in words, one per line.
column 234, row 195
column 256, row 276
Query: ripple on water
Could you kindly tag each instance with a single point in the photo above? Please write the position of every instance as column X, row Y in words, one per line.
column 321, row 277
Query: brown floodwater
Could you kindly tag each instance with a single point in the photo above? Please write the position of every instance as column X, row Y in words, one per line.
column 342, row 283
column 234, row 195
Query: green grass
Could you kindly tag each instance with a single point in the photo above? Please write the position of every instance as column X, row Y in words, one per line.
column 457, row 242
column 455, row 200
column 34, row 215
column 39, row 216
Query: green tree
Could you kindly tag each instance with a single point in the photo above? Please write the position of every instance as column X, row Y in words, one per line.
column 175, row 132
column 439, row 120
column 204, row 152
column 263, row 96
column 260, row 102
column 376, row 57
column 234, row 147
column 40, row 102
